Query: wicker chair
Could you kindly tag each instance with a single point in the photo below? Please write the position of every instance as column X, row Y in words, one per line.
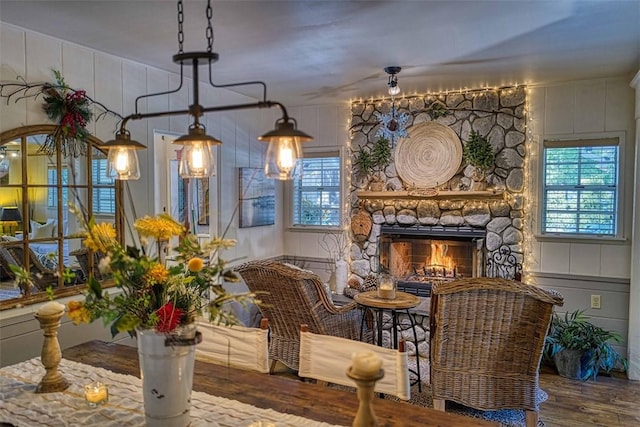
column 292, row 297
column 41, row 276
column 82, row 255
column 487, row 338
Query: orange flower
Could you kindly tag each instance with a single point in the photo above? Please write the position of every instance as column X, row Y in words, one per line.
column 157, row 274
column 195, row 264
column 78, row 313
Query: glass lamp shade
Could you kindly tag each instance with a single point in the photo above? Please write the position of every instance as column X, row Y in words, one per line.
column 197, row 161
column 122, row 160
column 282, row 160
column 394, row 89
column 284, row 150
column 122, row 163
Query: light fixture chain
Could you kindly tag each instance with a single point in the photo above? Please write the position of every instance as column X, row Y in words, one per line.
column 180, row 29
column 209, row 27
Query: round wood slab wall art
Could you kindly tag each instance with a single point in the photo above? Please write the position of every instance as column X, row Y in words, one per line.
column 430, row 156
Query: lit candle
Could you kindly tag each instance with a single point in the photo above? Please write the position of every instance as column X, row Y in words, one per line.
column 365, row 364
column 386, row 289
column 52, row 307
column 96, row 394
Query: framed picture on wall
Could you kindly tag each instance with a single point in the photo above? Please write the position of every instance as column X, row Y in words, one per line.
column 202, row 193
column 257, row 198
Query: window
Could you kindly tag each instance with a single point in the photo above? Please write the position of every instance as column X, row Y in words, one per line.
column 104, row 195
column 52, row 193
column 580, row 187
column 316, row 195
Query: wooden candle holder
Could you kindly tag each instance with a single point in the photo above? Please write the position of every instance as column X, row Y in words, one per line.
column 365, row 417
column 52, row 381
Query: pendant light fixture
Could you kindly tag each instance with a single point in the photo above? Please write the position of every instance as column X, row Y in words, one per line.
column 394, row 89
column 197, row 160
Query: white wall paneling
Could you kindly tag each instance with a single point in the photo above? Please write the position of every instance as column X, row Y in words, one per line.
column 116, row 83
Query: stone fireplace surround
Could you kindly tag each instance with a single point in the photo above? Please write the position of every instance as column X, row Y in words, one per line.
column 496, row 114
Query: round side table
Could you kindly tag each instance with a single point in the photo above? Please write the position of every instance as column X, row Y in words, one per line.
column 402, row 302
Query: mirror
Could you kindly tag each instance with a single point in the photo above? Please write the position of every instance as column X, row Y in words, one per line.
column 37, row 230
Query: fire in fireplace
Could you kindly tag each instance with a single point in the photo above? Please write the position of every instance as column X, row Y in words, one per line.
column 422, row 255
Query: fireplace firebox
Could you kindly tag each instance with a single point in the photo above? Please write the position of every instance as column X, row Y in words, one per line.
column 420, row 256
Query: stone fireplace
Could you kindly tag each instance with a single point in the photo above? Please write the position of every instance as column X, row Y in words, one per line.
column 460, row 233
column 497, row 213
column 419, row 256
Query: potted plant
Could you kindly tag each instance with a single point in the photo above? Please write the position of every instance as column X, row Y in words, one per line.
column 478, row 152
column 372, row 162
column 580, row 349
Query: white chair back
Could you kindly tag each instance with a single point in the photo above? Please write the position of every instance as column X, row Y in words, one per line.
column 237, row 346
column 326, row 358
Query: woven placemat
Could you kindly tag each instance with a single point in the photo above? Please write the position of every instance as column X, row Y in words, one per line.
column 429, row 157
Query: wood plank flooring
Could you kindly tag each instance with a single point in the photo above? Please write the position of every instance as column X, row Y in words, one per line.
column 610, row 401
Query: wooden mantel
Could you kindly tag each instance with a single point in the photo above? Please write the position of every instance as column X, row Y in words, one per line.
column 427, row 194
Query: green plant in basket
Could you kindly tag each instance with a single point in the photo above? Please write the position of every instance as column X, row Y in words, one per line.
column 372, row 162
column 581, row 349
column 478, row 152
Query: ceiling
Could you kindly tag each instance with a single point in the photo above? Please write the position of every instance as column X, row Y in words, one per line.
column 318, row 52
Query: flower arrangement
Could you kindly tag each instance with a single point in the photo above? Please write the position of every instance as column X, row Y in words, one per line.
column 70, row 110
column 152, row 295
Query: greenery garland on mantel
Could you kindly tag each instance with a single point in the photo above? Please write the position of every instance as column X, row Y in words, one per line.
column 70, row 109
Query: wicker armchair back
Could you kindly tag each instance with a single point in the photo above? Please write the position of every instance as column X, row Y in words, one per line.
column 41, row 276
column 292, row 297
column 487, row 338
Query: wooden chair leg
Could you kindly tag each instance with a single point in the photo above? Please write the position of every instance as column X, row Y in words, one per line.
column 438, row 404
column 531, row 418
column 273, row 366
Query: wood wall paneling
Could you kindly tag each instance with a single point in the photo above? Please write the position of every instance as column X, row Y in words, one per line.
column 12, row 46
column 559, row 109
column 588, row 115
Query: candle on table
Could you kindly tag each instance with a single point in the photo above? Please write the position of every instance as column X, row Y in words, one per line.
column 365, row 363
column 52, row 307
column 96, row 394
column 386, row 288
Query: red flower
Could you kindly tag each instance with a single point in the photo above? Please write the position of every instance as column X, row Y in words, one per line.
column 169, row 317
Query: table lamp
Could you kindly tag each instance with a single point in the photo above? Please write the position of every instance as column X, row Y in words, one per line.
column 10, row 217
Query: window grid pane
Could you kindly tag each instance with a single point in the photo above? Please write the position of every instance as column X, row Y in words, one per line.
column 52, row 192
column 104, row 198
column 316, row 199
column 580, row 190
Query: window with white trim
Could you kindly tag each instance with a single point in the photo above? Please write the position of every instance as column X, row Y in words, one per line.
column 52, row 192
column 316, row 194
column 580, row 187
column 104, row 194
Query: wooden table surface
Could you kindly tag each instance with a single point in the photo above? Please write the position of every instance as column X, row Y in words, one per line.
column 402, row 301
column 282, row 394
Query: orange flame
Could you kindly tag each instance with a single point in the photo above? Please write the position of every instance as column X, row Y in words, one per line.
column 439, row 256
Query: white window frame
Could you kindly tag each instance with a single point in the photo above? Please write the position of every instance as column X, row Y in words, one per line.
column 52, row 190
column 578, row 140
column 98, row 189
column 290, row 193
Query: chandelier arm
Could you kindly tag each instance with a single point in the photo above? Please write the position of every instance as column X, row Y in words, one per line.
column 261, row 104
column 257, row 82
column 149, row 95
column 285, row 115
